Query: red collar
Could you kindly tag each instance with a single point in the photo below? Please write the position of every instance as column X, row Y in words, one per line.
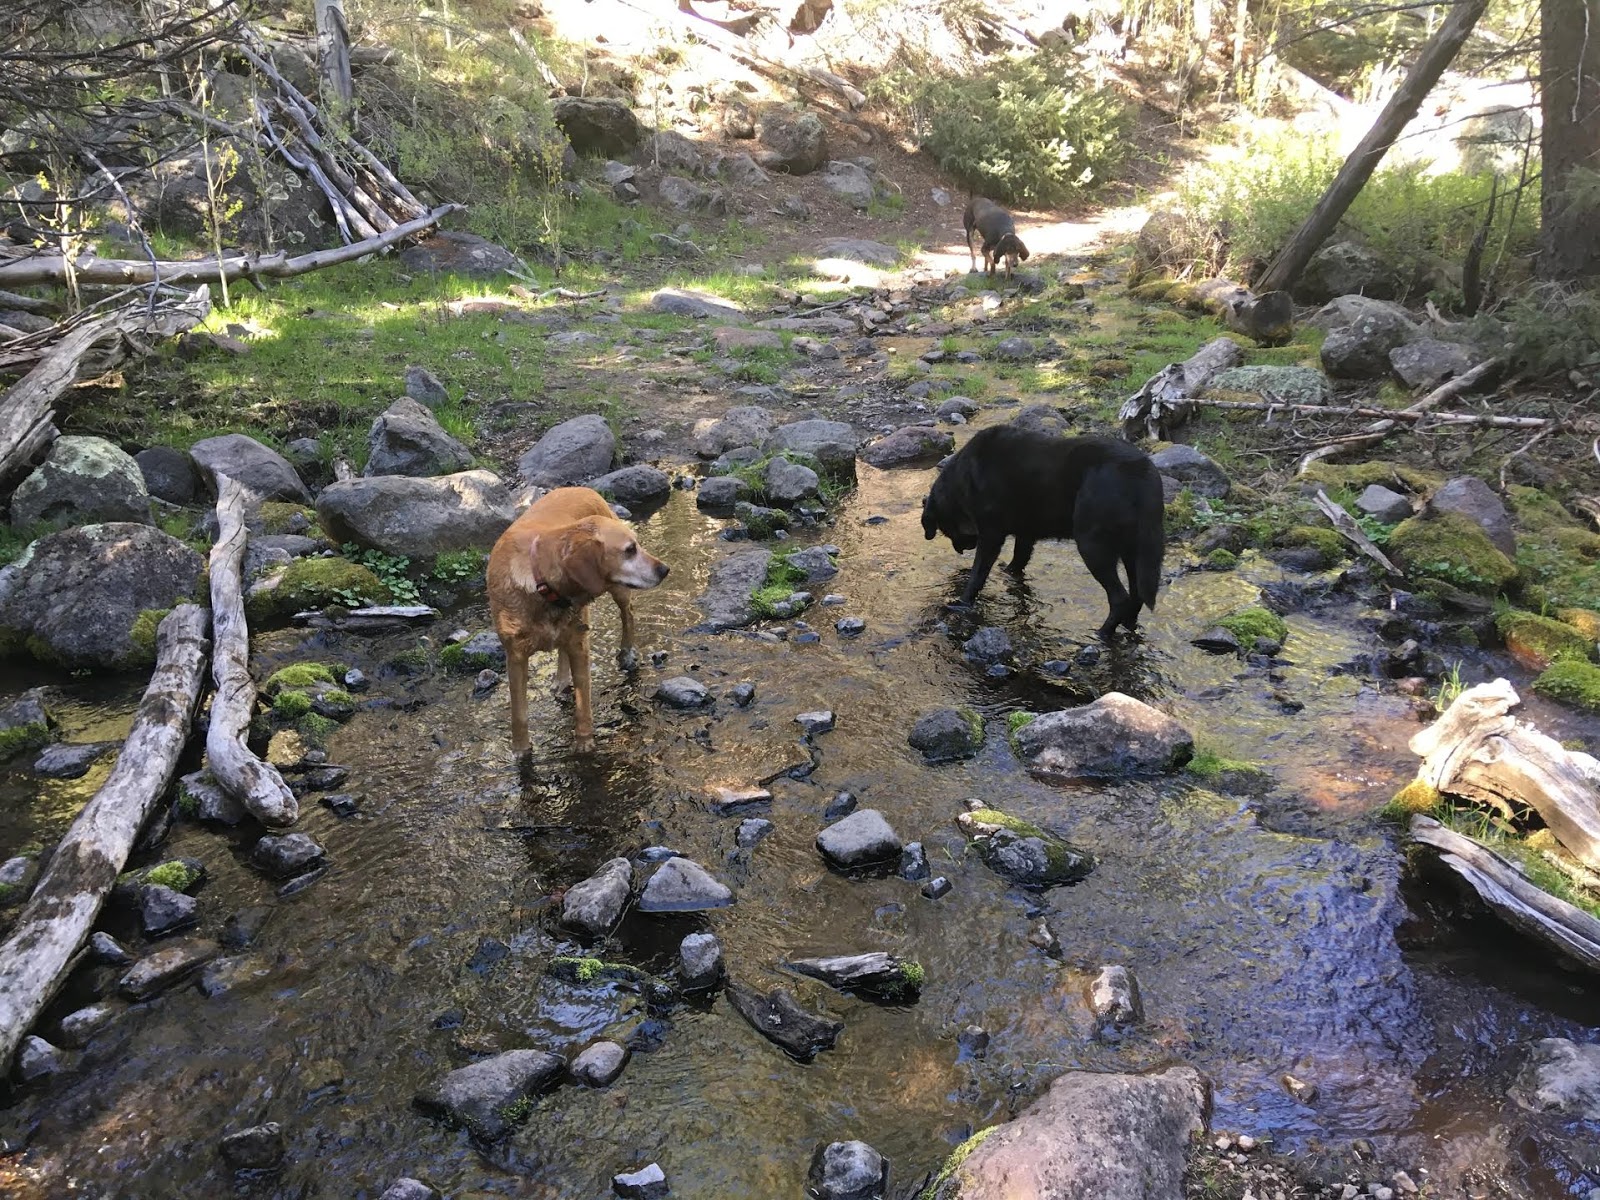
column 549, row 595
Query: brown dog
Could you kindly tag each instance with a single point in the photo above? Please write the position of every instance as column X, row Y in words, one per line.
column 564, row 552
column 999, row 232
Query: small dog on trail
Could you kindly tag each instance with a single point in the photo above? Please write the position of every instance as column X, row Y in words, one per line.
column 999, row 232
column 567, row 550
column 1101, row 492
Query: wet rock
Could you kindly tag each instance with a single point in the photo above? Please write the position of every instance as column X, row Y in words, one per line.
column 108, row 950
column 484, row 1096
column 647, row 1183
column 747, row 425
column 163, row 910
column 913, row 444
column 1472, row 498
column 847, row 1171
column 1022, row 852
column 973, row 1041
column 1361, row 348
column 1428, row 362
column 1115, row 735
column 409, row 1189
column 814, row 723
column 221, row 975
column 815, row 562
column 682, row 885
column 1092, row 1134
column 1560, row 1076
column 726, row 600
column 752, row 832
column 259, row 1148
column 957, row 406
column 78, row 1028
column 597, row 125
column 283, row 855
column 168, row 966
column 1384, row 505
column 262, row 471
column 727, row 801
column 862, row 839
column 569, row 453
column 640, row 486
column 423, row 386
column 1286, row 385
column 879, row 975
column 69, row 761
column 37, row 1059
column 936, row 888
column 407, row 439
column 761, row 522
column 355, row 680
column 946, row 734
column 849, row 627
column 83, row 481
column 681, row 691
column 796, row 141
column 788, row 483
column 721, row 491
column 25, row 722
column 168, row 474
column 831, row 443
column 418, row 518
column 914, row 862
column 1217, row 640
column 600, row 1065
column 841, row 805
column 595, row 905
column 455, row 252
column 700, row 961
column 781, row 1021
column 991, row 644
column 1114, row 996
column 1193, row 470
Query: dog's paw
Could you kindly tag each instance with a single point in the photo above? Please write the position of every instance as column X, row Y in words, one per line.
column 583, row 745
column 960, row 606
column 628, row 659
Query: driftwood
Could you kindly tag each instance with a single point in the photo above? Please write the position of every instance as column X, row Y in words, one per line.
column 255, row 784
column 1506, row 891
column 1167, row 398
column 1405, row 415
column 1479, row 751
column 89, row 269
column 39, row 953
column 1353, row 533
column 1267, row 318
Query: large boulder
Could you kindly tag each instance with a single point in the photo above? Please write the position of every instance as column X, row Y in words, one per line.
column 909, row 445
column 571, row 452
column 831, row 443
column 407, row 439
column 1473, row 499
column 1360, row 349
column 168, row 474
column 748, row 425
column 264, row 472
column 795, row 141
column 680, row 303
column 1428, row 362
column 1349, row 310
column 672, row 153
column 85, row 597
column 484, row 1096
column 851, row 183
column 1345, row 268
column 597, row 125
column 1165, row 242
column 452, row 252
column 418, row 518
column 1104, row 1135
column 1562, row 1077
column 1193, row 470
column 636, row 486
column 84, row 480
column 726, row 601
column 1115, row 735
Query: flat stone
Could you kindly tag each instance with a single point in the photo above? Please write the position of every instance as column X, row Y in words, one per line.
column 1115, row 735
column 864, row 838
column 752, row 832
column 729, row 801
column 168, row 966
column 726, row 601
column 813, row 723
column 682, row 885
column 640, row 486
column 681, row 691
column 647, row 1183
column 842, row 804
column 1383, row 504
column 479, row 1095
column 1193, row 470
column 600, row 1065
column 684, row 303
column 594, row 906
column 936, row 888
column 287, row 854
column 78, row 1028
column 64, row 761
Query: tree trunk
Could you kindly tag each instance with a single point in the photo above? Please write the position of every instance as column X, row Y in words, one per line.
column 1364, row 159
column 38, row 955
column 333, row 57
column 1569, row 141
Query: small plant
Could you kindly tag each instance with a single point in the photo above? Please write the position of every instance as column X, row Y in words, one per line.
column 178, row 876
column 1016, row 720
column 1449, row 688
column 952, row 1164
column 782, row 580
column 390, row 569
column 1210, row 764
column 459, row 566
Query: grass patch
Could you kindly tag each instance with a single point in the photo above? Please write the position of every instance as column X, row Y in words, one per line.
column 1492, row 832
column 1572, row 683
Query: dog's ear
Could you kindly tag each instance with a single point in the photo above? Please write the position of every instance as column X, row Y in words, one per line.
column 930, row 522
column 583, row 561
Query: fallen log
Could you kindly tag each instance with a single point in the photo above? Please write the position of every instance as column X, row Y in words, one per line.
column 89, row 269
column 1511, row 896
column 253, row 783
column 1267, row 318
column 1477, row 750
column 1405, row 415
column 1354, row 534
column 1167, row 398
column 38, row 955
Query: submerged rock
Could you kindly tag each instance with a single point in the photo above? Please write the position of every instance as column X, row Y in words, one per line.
column 876, row 974
column 991, row 644
column 1022, row 852
column 781, row 1021
column 847, row 1171
column 682, row 885
column 490, row 1096
column 700, row 961
column 946, row 734
column 1560, row 1076
column 600, row 1065
column 862, row 839
column 681, row 691
column 595, row 905
column 69, row 761
column 288, row 854
column 170, row 965
column 1115, row 735
column 259, row 1148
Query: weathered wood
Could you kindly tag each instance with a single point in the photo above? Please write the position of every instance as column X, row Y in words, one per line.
column 1403, row 416
column 88, row 269
column 29, row 304
column 255, row 784
column 1535, row 912
column 36, row 958
column 1167, row 398
column 1352, row 533
column 1479, row 751
column 333, row 54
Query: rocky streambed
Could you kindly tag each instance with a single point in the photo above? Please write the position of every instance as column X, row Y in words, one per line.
column 1271, row 936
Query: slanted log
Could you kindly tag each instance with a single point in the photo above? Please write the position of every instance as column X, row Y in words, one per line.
column 1477, row 750
column 1167, row 398
column 1509, row 894
column 255, row 784
column 58, row 917
column 1267, row 318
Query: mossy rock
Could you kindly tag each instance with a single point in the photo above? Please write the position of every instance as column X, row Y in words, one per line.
column 298, row 676
column 1415, row 797
column 1221, row 559
column 1585, row 620
column 316, row 729
column 1251, row 623
column 1452, row 549
column 312, row 583
column 19, row 739
column 175, row 873
column 1153, row 290
column 290, row 705
column 1022, row 852
column 1536, row 641
column 1326, row 542
column 1360, row 476
column 947, row 1175
column 1571, row 682
column 1538, row 511
column 276, row 516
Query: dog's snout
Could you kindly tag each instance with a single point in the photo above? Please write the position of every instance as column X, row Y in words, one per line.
column 662, row 570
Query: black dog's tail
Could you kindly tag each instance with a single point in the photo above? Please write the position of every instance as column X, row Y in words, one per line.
column 1152, row 544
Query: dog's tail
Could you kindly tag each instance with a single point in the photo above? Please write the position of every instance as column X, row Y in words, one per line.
column 1152, row 543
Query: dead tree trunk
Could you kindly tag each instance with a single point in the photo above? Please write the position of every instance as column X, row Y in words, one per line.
column 255, row 784
column 38, row 955
column 1569, row 138
column 1364, row 159
column 333, row 57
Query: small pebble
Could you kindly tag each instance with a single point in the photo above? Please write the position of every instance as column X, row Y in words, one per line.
column 1247, row 1143
column 1405, row 1183
column 936, row 887
column 842, row 805
column 849, row 626
column 742, row 694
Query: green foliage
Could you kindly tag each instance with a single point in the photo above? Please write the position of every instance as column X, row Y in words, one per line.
column 1326, row 542
column 13, row 542
column 1492, row 831
column 1221, row 559
column 390, row 568
column 21, row 738
column 459, row 566
column 1251, row 623
column 143, row 632
column 1211, row 764
column 1572, row 682
column 1452, row 549
column 297, row 676
column 291, row 705
column 1449, row 688
column 1550, row 327
column 316, row 583
column 1016, row 720
column 178, row 876
column 1031, row 129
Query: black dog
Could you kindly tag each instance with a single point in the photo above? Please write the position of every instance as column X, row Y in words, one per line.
column 1103, row 493
column 999, row 232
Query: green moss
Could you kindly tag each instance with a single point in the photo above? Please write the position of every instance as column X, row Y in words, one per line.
column 10, row 893
column 1360, row 476
column 21, row 738
column 1016, row 825
column 277, row 516
column 290, row 705
column 1573, row 683
column 1415, row 797
column 310, row 583
column 574, row 968
column 974, row 723
column 188, row 803
column 1209, row 764
column 457, row 657
column 337, row 696
column 316, row 730
column 1221, row 559
column 143, row 632
column 1252, row 623
column 1325, row 541
column 913, row 973
column 762, row 525
column 1453, row 550
column 455, row 566
column 178, row 876
column 1538, row 511
column 410, row 662
column 1541, row 639
column 1182, row 514
column 1016, row 720
column 1585, row 620
column 782, row 581
column 297, row 676
column 518, row 1110
column 958, row 1156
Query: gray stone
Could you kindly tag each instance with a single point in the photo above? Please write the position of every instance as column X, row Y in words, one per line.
column 1428, row 362
column 680, row 194
column 726, row 600
column 259, row 1148
column 597, row 125
column 752, row 832
column 595, row 905
column 1022, row 852
column 744, row 172
column 569, row 453
column 418, row 518
column 831, row 443
column 776, row 1017
column 814, row 723
column 911, row 445
column 788, row 483
column 37, row 1059
column 694, row 304
column 269, row 551
column 700, row 961
column 721, row 491
column 815, row 562
column 876, row 973
column 599, row 1065
column 1217, row 640
column 682, row 691
column 80, row 591
column 647, row 1183
column 850, row 183
column 1115, row 735
column 482, row 1096
column 108, row 950
column 168, row 474
column 78, row 1028
column 1042, row 419
column 959, row 406
column 1286, row 385
column 423, row 386
column 640, row 486
column 84, row 480
column 283, row 855
column 1015, row 349
column 747, row 425
column 168, row 966
column 199, row 795
column 1352, row 309
column 864, row 838
column 406, row 439
column 847, row 1171
column 850, row 627
column 163, row 910
column 861, row 250
column 1361, row 348
column 1114, row 996
column 947, row 733
column 1092, row 1134
column 409, row 1189
column 262, row 471
column 70, row 761
column 1384, row 505
column 453, row 252
column 1342, row 268
column 796, row 142
column 682, row 885
column 1473, row 499
column 1560, row 1076
column 991, row 644
column 841, row 805
column 671, row 152
column 1193, row 470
